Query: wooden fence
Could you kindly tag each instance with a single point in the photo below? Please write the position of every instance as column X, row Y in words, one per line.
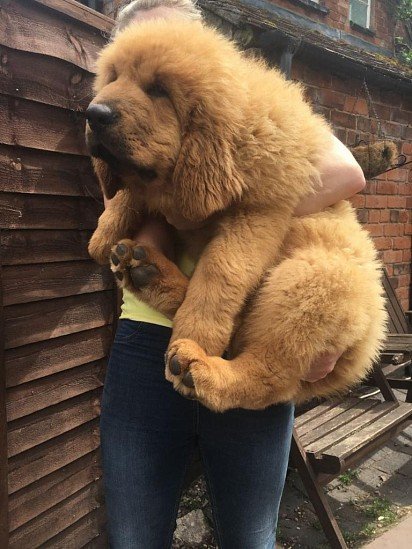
column 57, row 306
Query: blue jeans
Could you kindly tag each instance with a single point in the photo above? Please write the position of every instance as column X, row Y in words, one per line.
column 148, row 435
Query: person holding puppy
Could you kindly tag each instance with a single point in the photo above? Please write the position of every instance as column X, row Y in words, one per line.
column 149, row 431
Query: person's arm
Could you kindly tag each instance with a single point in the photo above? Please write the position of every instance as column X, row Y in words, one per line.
column 341, row 175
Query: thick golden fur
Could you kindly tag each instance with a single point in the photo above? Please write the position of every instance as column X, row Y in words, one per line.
column 234, row 147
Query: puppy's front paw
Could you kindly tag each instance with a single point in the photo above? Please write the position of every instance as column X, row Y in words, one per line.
column 99, row 248
column 131, row 265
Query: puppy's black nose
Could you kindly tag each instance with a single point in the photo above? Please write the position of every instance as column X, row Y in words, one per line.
column 99, row 114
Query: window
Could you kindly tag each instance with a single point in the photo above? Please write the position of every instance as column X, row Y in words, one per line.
column 360, row 12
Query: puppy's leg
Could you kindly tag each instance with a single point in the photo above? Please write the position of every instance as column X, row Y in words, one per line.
column 316, row 302
column 148, row 274
column 119, row 220
column 229, row 268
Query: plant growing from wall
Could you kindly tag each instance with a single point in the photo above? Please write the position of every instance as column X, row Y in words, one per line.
column 403, row 44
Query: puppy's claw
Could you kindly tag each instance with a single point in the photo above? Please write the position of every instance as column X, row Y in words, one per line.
column 187, row 380
column 174, row 366
column 115, row 260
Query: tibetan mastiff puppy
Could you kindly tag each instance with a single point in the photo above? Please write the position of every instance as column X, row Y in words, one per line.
column 182, row 122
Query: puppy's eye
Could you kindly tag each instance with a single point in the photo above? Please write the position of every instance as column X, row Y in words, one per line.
column 157, row 90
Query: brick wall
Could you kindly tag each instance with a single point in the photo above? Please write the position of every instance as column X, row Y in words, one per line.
column 386, row 203
column 382, row 22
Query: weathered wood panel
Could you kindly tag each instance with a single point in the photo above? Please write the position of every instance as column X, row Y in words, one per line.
column 37, row 395
column 42, row 320
column 35, row 125
column 31, row 362
column 26, row 504
column 30, row 431
column 41, row 172
column 23, row 284
column 59, row 306
column 4, row 513
column 45, row 526
column 51, row 456
column 28, row 27
column 32, row 76
column 84, row 533
column 48, row 212
column 37, row 246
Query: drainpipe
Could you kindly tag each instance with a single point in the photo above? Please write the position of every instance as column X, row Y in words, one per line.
column 288, row 45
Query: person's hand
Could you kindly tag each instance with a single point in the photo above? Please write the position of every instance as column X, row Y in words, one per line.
column 322, row 366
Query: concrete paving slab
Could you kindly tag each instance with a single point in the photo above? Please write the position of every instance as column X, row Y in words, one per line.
column 399, row 536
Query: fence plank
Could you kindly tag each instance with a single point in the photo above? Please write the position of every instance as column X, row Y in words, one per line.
column 43, row 246
column 48, row 423
column 25, row 123
column 47, row 525
column 86, row 532
column 25, row 283
column 34, row 30
column 38, row 360
column 42, row 320
column 51, row 456
column 37, row 395
column 36, row 498
column 31, row 76
column 48, row 212
column 42, row 172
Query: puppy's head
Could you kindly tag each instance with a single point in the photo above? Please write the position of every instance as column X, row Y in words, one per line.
column 166, row 114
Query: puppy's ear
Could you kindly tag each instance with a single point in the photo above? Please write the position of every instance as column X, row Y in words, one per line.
column 109, row 182
column 205, row 179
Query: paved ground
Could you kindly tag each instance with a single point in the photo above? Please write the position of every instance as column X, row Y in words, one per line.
column 366, row 502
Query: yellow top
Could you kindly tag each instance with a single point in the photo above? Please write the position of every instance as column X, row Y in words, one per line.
column 134, row 309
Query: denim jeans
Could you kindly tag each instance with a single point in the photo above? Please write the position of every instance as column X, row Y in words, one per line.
column 148, row 435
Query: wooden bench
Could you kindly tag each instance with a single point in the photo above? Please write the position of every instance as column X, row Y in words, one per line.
column 334, row 436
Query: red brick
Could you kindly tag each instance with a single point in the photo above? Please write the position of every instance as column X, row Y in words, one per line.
column 389, row 268
column 370, row 187
column 396, row 201
column 375, row 229
column 363, row 124
column 407, row 255
column 392, row 256
column 375, row 216
column 404, row 280
column 385, row 216
column 331, row 98
column 391, row 229
column 343, row 119
column 400, row 116
column 407, row 148
column 373, row 201
column 404, row 216
column 382, row 243
column 397, row 175
column 386, row 187
column 391, row 129
column 356, row 105
column 401, row 242
column 358, row 201
column 362, row 215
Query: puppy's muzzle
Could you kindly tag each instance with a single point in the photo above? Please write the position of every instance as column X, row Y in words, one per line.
column 100, row 116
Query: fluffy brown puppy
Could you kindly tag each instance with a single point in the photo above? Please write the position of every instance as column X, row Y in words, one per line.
column 182, row 121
